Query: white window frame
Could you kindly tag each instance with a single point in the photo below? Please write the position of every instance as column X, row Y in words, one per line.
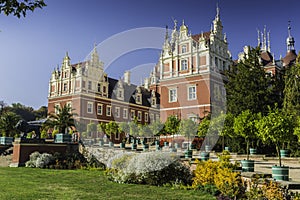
column 192, row 95
column 132, row 114
column 183, row 48
column 183, row 64
column 139, row 116
column 99, row 105
column 90, row 87
column 108, row 110
column 146, row 117
column 117, row 112
column 65, row 87
column 172, row 94
column 56, row 109
column 125, row 113
column 90, row 107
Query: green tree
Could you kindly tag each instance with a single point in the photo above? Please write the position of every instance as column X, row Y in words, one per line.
column 25, row 112
column 188, row 128
column 124, row 127
column 111, row 128
column 249, row 86
column 91, row 128
column 203, row 126
column 41, row 113
column 244, row 126
column 133, row 128
column 291, row 101
column 156, row 127
column 8, row 121
column 61, row 120
column 276, row 127
column 20, row 8
column 101, row 127
column 172, row 125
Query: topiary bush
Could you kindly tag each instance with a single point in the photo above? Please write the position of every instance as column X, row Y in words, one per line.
column 150, row 168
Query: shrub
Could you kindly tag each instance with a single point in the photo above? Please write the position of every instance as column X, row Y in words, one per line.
column 229, row 183
column 39, row 160
column 151, row 168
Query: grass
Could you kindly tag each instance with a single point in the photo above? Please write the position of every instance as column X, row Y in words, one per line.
column 31, row 183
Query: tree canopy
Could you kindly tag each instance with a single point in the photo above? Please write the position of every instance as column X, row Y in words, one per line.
column 249, row 86
column 20, row 8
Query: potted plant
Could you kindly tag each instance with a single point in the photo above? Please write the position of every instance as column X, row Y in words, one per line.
column 8, row 121
column 188, row 128
column 276, row 127
column 244, row 126
column 171, row 127
column 110, row 129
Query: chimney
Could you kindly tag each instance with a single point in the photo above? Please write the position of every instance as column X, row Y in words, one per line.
column 127, row 77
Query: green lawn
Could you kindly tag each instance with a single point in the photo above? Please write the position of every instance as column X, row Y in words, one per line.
column 29, row 183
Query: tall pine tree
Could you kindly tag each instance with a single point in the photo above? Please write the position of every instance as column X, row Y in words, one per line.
column 249, row 87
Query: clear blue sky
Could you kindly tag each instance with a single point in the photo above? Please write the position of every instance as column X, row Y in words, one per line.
column 31, row 47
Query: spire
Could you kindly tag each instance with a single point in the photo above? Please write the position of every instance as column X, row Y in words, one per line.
column 258, row 38
column 66, row 61
column 167, row 34
column 290, row 40
column 218, row 13
column 95, row 56
column 269, row 43
column 265, row 39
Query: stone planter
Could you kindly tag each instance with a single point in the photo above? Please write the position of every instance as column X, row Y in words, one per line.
column 6, row 140
column 207, row 148
column 166, row 144
column 133, row 146
column 247, row 165
column 101, row 143
column 145, row 147
column 227, row 148
column 252, row 151
column 63, row 138
column 204, row 156
column 110, row 144
column 284, row 153
column 176, row 145
column 157, row 148
column 188, row 154
column 280, row 173
column 122, row 145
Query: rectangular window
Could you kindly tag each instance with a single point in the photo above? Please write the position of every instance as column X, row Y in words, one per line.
column 139, row 116
column 125, row 113
column 117, row 112
column 192, row 92
column 65, row 87
column 99, row 87
column 183, row 49
column 146, row 117
column 57, row 107
column 90, row 85
column 173, row 95
column 153, row 101
column 99, row 109
column 108, row 110
column 104, row 89
column 139, row 98
column 184, row 65
column 90, row 107
column 132, row 114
